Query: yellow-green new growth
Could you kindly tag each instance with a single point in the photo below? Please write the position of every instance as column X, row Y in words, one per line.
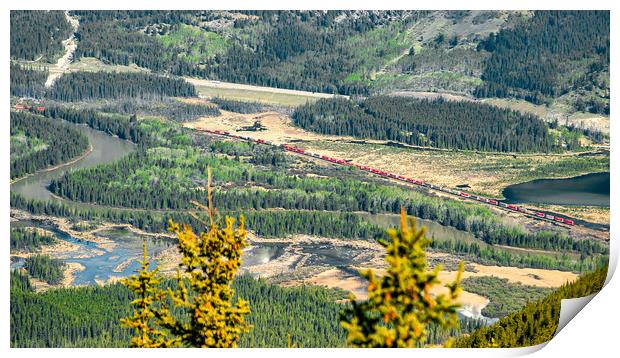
column 210, row 261
column 400, row 304
column 145, row 287
column 199, row 312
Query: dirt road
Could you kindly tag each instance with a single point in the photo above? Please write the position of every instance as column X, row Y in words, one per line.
column 70, row 44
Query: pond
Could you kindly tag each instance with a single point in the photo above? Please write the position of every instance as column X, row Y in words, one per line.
column 588, row 190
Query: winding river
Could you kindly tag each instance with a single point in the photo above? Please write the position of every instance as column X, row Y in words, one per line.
column 106, row 149
column 100, row 265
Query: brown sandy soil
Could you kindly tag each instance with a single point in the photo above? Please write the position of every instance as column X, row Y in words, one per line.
column 279, row 128
column 243, row 87
column 594, row 214
column 110, row 280
column 123, row 265
column 359, row 287
column 337, row 278
column 525, row 276
column 71, row 268
column 485, row 173
column 69, row 275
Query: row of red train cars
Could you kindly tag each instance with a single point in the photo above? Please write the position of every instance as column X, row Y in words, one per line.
column 382, row 173
column 25, row 106
column 422, row 183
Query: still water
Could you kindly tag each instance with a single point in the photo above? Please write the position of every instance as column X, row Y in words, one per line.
column 589, row 189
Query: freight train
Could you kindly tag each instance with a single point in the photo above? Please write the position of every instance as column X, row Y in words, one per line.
column 421, row 183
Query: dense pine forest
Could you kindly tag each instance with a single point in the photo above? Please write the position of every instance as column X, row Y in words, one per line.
column 537, row 322
column 180, row 171
column 308, row 315
column 45, row 268
column 552, row 53
column 29, row 240
column 378, row 58
column 314, row 46
column 437, row 123
column 78, row 86
column 281, row 223
column 41, row 41
column 38, row 142
column 538, row 56
column 504, row 297
column 27, row 81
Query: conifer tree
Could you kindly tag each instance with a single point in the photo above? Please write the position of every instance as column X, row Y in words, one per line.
column 145, row 287
column 400, row 304
column 200, row 311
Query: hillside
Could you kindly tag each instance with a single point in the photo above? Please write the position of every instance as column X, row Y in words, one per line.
column 357, row 52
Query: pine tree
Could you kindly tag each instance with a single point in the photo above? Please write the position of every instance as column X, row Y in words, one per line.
column 400, row 304
column 145, row 287
column 203, row 294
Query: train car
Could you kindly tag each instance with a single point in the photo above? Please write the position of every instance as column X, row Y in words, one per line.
column 19, row 106
column 503, row 205
column 559, row 219
column 419, row 182
column 316, row 155
column 550, row 217
column 493, row 202
column 512, row 207
column 539, row 214
column 227, row 133
column 40, row 108
column 463, row 194
column 569, row 222
column 262, row 141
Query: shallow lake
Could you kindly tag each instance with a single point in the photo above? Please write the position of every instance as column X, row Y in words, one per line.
column 589, row 189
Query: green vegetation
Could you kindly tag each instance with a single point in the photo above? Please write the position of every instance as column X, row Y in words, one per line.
column 167, row 178
column 192, row 43
column 399, row 305
column 243, row 107
column 40, row 42
column 78, row 86
column 29, row 239
column 38, row 142
column 168, row 172
column 505, row 297
column 27, row 81
column 550, row 54
column 200, row 311
column 436, row 123
column 169, row 108
column 537, row 322
column 311, row 50
column 45, row 268
column 59, row 318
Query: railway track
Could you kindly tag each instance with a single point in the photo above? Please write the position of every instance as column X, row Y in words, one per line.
column 559, row 220
column 566, row 222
